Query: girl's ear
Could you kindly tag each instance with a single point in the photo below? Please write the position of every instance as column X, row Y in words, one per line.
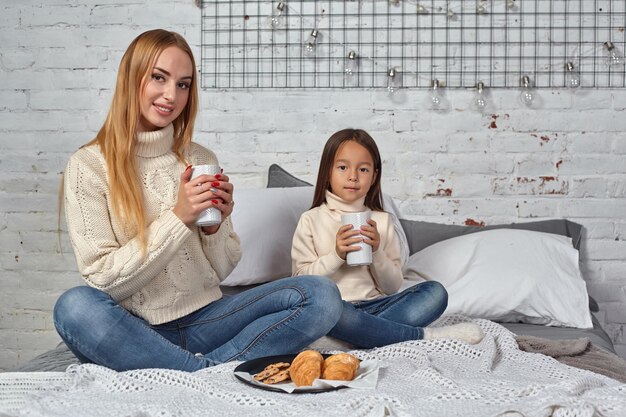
column 374, row 177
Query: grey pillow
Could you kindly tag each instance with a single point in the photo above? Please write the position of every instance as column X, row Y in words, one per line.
column 422, row 234
column 55, row 360
column 277, row 177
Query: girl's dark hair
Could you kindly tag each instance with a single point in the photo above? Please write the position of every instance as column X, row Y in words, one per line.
column 373, row 199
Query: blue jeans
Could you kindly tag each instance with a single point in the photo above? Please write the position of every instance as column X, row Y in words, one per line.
column 277, row 318
column 392, row 319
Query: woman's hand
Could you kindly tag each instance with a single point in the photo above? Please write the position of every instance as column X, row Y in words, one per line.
column 222, row 191
column 345, row 239
column 370, row 231
column 197, row 195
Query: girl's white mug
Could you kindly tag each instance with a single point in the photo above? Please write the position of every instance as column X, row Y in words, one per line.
column 363, row 256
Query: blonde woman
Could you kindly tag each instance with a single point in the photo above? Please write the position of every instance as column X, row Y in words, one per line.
column 152, row 298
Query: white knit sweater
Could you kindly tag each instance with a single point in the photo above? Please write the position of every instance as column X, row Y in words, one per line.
column 183, row 267
column 313, row 251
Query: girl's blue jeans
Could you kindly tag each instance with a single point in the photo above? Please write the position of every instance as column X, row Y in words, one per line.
column 392, row 319
column 279, row 317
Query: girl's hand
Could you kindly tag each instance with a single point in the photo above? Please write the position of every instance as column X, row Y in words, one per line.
column 346, row 238
column 197, row 195
column 371, row 232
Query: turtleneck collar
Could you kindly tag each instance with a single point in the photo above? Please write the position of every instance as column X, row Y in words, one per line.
column 334, row 202
column 155, row 143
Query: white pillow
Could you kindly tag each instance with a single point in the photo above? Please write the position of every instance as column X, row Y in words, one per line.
column 265, row 220
column 508, row 275
column 390, row 207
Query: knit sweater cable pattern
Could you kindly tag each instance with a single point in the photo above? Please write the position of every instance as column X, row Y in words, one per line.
column 313, row 251
column 182, row 268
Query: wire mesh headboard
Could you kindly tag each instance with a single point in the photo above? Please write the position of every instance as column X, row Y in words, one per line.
column 263, row 44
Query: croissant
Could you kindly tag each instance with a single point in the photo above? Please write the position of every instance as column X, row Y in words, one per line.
column 342, row 366
column 306, row 367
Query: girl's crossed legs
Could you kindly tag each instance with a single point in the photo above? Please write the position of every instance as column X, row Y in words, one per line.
column 392, row 319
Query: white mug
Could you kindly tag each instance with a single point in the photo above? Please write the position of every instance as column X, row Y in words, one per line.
column 363, row 256
column 210, row 216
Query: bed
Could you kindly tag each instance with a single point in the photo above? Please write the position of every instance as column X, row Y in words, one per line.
column 544, row 352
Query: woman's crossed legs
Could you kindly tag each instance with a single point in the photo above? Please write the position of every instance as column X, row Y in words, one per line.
column 280, row 317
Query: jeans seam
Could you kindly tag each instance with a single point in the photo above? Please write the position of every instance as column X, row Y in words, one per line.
column 183, row 339
column 382, row 307
column 67, row 338
column 243, row 306
column 389, row 303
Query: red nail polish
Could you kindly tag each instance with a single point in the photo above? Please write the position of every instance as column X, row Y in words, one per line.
column 222, row 170
column 188, row 168
column 214, row 201
column 215, row 184
column 218, row 176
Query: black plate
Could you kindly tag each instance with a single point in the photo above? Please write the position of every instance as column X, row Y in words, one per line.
column 254, row 366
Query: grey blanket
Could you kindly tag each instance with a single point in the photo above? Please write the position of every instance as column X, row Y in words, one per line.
column 580, row 353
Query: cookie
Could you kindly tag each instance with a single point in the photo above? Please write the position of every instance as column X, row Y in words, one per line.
column 270, row 370
column 281, row 376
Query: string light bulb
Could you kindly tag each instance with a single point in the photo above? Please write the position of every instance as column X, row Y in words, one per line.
column 510, row 4
column 351, row 63
column 481, row 8
column 613, row 58
column 421, row 9
column 393, row 81
column 310, row 46
column 480, row 101
column 573, row 76
column 277, row 19
column 527, row 95
column 351, row 68
column 437, row 100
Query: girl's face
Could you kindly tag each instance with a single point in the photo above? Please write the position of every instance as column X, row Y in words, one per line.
column 166, row 93
column 352, row 173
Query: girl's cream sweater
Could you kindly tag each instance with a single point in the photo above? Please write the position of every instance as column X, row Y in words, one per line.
column 313, row 251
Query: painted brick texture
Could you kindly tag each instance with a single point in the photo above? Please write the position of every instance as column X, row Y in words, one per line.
column 58, row 63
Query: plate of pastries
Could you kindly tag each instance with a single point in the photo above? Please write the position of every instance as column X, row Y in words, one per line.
column 302, row 370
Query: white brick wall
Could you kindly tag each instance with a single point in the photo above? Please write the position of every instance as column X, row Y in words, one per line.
column 57, row 66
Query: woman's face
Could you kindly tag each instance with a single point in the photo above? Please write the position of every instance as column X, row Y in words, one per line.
column 166, row 93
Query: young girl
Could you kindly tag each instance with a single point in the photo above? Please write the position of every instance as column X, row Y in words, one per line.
column 373, row 313
column 152, row 298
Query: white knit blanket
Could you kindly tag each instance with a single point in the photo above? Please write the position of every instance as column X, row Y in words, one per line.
column 418, row 378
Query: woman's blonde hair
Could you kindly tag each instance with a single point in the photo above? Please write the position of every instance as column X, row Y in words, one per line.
column 117, row 136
